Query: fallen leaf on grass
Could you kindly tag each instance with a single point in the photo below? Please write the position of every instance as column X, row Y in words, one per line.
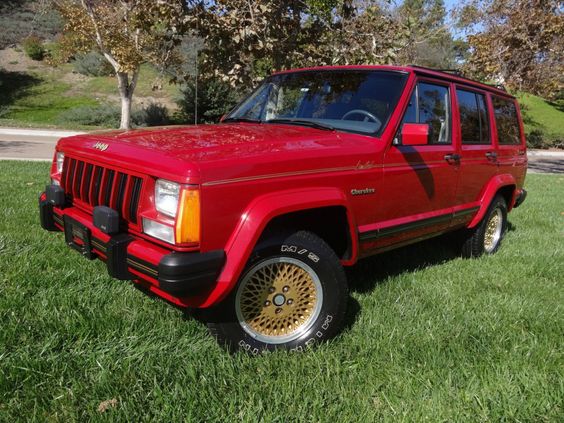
column 105, row 405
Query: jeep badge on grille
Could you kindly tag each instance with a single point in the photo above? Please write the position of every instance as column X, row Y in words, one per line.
column 102, row 146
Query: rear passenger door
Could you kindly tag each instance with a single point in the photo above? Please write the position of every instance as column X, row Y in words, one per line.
column 478, row 163
column 511, row 143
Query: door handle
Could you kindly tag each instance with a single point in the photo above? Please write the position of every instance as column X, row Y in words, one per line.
column 453, row 157
column 491, row 155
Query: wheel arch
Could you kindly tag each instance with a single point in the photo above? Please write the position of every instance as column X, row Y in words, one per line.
column 285, row 210
column 503, row 184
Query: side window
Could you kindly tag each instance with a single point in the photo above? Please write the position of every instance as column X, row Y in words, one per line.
column 506, row 121
column 430, row 104
column 474, row 123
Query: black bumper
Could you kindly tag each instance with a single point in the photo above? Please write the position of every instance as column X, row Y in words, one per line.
column 178, row 274
column 520, row 198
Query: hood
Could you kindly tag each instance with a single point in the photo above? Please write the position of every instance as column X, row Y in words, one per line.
column 201, row 153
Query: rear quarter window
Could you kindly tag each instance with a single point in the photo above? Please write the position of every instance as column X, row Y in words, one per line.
column 506, row 121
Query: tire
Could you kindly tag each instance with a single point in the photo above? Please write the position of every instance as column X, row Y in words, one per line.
column 487, row 236
column 275, row 290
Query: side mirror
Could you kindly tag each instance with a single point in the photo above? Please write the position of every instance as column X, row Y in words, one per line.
column 415, row 134
column 222, row 117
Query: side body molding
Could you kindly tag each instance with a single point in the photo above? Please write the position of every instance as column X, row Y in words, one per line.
column 489, row 192
column 255, row 219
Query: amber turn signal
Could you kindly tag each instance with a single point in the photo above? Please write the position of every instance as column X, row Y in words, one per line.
column 188, row 219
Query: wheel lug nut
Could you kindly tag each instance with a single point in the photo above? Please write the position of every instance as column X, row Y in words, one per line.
column 290, row 301
column 278, row 311
column 286, row 289
column 267, row 303
column 271, row 289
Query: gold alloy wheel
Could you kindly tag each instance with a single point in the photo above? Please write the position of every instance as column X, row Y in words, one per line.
column 492, row 234
column 278, row 300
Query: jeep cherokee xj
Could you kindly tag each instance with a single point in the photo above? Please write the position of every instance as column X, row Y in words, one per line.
column 253, row 219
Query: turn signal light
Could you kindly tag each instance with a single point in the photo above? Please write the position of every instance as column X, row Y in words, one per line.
column 188, row 219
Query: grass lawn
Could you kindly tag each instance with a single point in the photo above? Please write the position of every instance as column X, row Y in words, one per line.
column 543, row 115
column 37, row 99
column 430, row 336
column 41, row 96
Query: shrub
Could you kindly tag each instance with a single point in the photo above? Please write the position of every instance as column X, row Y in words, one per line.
column 215, row 98
column 92, row 64
column 33, row 48
column 105, row 115
column 55, row 54
column 109, row 116
column 536, row 139
column 154, row 114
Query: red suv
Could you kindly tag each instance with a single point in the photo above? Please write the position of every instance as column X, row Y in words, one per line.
column 253, row 219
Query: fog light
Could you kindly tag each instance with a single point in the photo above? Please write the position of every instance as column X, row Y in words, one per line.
column 60, row 160
column 158, row 230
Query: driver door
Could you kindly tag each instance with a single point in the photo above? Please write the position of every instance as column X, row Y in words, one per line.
column 419, row 181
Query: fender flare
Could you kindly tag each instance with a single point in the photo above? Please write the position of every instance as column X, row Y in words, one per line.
column 254, row 220
column 488, row 193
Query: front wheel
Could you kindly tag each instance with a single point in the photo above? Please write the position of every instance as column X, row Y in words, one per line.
column 292, row 294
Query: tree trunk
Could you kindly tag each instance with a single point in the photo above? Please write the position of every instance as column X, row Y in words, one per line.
column 125, row 122
column 126, row 89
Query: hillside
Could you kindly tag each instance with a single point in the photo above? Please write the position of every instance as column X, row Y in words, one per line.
column 34, row 94
column 543, row 118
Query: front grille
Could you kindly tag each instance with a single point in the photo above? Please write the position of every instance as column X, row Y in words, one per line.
column 90, row 185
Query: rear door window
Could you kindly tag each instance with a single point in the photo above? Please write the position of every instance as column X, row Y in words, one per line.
column 474, row 124
column 506, row 121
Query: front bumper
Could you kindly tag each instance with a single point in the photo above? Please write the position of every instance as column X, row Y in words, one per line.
column 178, row 274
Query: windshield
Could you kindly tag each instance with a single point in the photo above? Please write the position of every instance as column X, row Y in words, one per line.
column 348, row 100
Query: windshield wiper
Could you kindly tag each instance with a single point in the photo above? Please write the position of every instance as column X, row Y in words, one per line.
column 305, row 122
column 241, row 119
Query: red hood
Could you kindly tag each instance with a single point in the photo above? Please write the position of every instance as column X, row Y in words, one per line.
column 206, row 152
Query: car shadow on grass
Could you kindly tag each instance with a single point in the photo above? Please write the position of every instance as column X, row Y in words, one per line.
column 369, row 272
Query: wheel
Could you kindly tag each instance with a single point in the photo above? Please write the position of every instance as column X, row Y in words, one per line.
column 487, row 236
column 292, row 294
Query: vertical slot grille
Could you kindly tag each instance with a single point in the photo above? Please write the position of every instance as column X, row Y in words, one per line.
column 134, row 203
column 91, row 185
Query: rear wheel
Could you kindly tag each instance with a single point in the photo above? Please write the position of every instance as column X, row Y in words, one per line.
column 487, row 236
column 292, row 295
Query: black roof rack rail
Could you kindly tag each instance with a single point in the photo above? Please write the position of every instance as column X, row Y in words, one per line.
column 456, row 72
column 459, row 73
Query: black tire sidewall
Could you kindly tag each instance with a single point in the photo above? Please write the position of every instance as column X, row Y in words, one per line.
column 498, row 202
column 331, row 276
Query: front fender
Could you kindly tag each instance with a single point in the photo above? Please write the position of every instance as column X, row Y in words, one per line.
column 488, row 193
column 255, row 219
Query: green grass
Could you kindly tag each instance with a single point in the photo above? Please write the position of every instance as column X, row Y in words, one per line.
column 41, row 98
column 108, row 85
column 38, row 99
column 430, row 336
column 543, row 115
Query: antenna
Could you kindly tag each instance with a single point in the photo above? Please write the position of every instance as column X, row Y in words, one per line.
column 196, row 90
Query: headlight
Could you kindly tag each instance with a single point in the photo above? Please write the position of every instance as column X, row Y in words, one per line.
column 60, row 161
column 166, row 197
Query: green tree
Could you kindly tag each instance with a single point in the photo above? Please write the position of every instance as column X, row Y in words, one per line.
column 428, row 41
column 516, row 42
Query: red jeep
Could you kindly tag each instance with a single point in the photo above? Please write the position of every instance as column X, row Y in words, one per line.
column 254, row 218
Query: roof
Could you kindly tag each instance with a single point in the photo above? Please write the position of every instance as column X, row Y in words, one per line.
column 441, row 74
